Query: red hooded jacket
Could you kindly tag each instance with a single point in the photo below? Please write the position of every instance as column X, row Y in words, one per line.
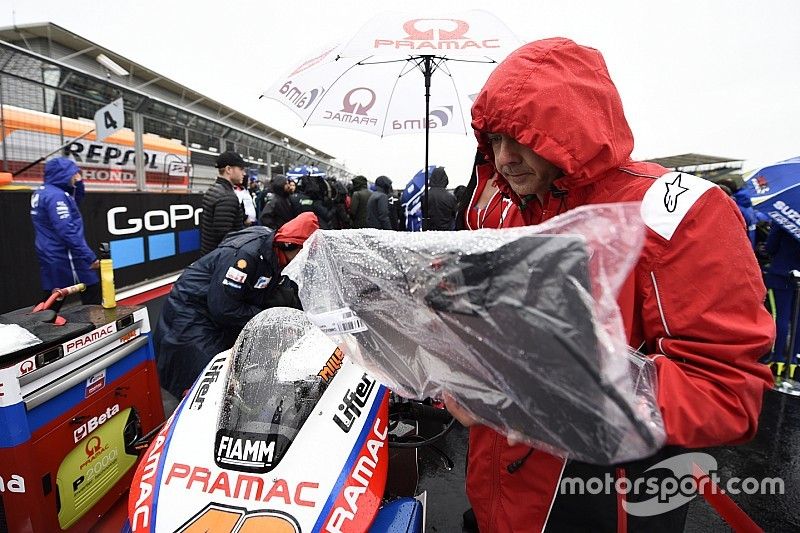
column 693, row 302
column 294, row 232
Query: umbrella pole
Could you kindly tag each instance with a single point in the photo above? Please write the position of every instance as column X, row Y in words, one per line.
column 785, row 380
column 789, row 349
column 427, row 72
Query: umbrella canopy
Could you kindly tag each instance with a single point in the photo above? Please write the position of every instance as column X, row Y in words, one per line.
column 401, row 73
column 775, row 191
column 304, row 170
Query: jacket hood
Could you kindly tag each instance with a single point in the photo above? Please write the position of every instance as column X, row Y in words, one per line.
column 59, row 172
column 297, row 230
column 384, row 183
column 557, row 98
column 237, row 239
column 438, row 178
column 359, row 182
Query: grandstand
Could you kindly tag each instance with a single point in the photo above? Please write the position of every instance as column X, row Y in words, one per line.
column 710, row 167
column 54, row 81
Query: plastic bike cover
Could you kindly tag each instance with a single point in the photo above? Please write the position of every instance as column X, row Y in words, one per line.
column 519, row 325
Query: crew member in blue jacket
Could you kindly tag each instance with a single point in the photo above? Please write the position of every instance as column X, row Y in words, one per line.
column 219, row 293
column 64, row 257
column 750, row 215
column 784, row 250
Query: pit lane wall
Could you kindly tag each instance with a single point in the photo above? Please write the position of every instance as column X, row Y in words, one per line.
column 151, row 235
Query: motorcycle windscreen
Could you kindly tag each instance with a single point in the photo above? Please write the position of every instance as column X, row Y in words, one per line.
column 273, row 387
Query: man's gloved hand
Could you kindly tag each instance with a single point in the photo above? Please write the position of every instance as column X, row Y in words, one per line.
column 285, row 295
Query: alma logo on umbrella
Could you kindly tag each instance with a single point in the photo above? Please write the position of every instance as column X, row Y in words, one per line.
column 439, row 117
column 299, row 98
column 416, row 34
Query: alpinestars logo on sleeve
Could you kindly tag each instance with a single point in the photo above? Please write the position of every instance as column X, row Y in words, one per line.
column 674, row 190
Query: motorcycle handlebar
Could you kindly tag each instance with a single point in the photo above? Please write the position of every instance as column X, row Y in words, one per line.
column 422, row 411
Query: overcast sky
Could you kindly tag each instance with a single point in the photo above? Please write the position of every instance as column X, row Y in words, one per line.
column 717, row 77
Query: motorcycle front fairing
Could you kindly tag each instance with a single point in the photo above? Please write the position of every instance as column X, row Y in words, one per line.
column 282, row 433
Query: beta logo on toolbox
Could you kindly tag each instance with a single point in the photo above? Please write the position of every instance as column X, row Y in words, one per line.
column 93, row 336
column 353, row 403
column 94, row 423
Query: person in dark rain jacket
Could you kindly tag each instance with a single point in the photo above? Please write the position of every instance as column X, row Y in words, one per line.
column 378, row 205
column 64, row 257
column 441, row 202
column 278, row 210
column 217, row 294
column 358, row 203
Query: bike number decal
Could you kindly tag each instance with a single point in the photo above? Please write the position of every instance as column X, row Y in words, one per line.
column 218, row 517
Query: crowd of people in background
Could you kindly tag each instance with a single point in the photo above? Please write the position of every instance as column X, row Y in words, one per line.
column 358, row 204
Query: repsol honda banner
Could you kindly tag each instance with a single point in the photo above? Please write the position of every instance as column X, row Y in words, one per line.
column 151, row 235
column 109, row 164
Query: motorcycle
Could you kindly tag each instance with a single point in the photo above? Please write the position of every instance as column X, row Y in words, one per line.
column 284, row 433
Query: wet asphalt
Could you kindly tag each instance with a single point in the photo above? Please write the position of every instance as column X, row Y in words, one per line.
column 774, row 452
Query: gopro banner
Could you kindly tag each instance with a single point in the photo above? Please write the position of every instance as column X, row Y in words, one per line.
column 151, row 235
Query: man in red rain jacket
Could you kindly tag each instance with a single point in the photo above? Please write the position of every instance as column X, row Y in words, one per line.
column 550, row 121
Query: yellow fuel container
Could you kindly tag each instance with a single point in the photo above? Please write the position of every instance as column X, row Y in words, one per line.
column 109, row 297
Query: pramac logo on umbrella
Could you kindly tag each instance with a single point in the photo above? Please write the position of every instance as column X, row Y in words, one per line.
column 415, row 34
column 350, row 106
column 437, row 34
column 355, row 107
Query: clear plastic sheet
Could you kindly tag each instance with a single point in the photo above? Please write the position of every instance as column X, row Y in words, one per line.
column 14, row 337
column 519, row 325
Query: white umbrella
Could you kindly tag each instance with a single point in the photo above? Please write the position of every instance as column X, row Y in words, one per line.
column 381, row 80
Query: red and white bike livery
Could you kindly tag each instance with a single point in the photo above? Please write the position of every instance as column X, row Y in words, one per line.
column 282, row 433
